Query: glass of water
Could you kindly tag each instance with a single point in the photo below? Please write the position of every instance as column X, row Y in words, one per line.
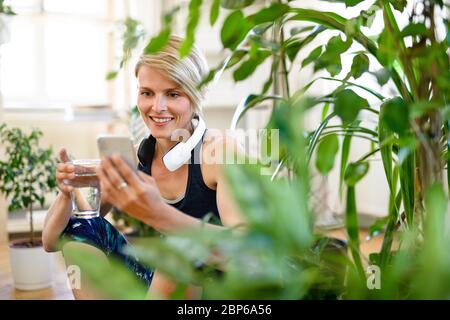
column 86, row 194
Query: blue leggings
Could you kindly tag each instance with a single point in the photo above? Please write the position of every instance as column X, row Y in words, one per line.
column 101, row 234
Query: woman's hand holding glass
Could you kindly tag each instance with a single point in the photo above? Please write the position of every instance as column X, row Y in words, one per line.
column 65, row 172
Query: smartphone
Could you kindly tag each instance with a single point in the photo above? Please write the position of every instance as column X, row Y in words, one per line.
column 123, row 146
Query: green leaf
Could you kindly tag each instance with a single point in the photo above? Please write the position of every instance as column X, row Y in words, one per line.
column 214, row 14
column 259, row 42
column 236, row 4
column 436, row 203
column 368, row 16
column 293, row 45
column 348, row 3
column 326, row 153
column 236, row 57
column 6, row 9
column 407, row 179
column 134, row 32
column 329, row 20
column 167, row 256
column 377, row 227
column 384, row 136
column 273, row 207
column 418, row 109
column 260, row 29
column 352, row 3
column 249, row 66
column 398, row 5
column 297, row 30
column 346, row 84
column 207, row 79
column 386, row 48
column 111, row 75
column 348, row 104
column 331, row 57
column 393, row 217
column 345, row 152
column 158, row 42
column 267, row 85
column 351, row 221
column 448, row 34
column 447, row 133
column 109, row 279
column 194, row 16
column 355, row 172
column 394, row 113
column 234, row 30
column 317, row 133
column 440, row 3
column 270, row 14
column 312, row 56
column 383, row 75
column 27, row 170
column 337, row 46
column 360, row 65
column 247, row 103
column 414, row 29
column 325, row 109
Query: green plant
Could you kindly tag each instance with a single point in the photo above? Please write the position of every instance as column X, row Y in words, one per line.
column 137, row 228
column 133, row 32
column 411, row 136
column 6, row 9
column 28, row 173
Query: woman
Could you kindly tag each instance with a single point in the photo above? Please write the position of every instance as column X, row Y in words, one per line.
column 168, row 201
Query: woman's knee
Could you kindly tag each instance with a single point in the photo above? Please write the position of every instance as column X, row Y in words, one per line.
column 70, row 248
column 71, row 252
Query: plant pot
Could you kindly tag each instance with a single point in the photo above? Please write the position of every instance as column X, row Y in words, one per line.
column 32, row 268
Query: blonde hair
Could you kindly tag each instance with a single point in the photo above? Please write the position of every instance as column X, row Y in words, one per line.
column 187, row 72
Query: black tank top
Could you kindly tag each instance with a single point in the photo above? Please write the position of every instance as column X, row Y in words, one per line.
column 199, row 200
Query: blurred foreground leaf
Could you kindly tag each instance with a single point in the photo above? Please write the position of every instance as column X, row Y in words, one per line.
column 115, row 282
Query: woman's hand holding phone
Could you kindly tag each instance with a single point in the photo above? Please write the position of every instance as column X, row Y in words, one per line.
column 134, row 193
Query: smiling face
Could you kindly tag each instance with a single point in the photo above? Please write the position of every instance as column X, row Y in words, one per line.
column 162, row 104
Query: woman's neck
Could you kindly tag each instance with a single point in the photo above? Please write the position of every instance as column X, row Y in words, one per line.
column 164, row 145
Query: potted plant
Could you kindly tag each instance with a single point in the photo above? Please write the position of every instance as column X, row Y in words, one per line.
column 273, row 259
column 410, row 55
column 27, row 174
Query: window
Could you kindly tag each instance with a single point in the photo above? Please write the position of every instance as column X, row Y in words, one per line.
column 59, row 53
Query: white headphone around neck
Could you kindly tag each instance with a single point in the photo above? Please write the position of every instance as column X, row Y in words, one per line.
column 181, row 152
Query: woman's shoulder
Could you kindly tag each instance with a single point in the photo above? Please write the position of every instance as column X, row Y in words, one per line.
column 221, row 138
column 217, row 149
column 218, row 144
column 213, row 136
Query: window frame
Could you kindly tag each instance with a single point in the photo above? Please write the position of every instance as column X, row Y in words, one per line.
column 40, row 101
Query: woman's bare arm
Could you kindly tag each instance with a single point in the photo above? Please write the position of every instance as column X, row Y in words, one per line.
column 58, row 216
column 60, row 211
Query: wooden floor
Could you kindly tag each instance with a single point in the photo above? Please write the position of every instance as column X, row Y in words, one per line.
column 60, row 291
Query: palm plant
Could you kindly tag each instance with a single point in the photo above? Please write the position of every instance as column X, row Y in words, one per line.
column 412, row 124
column 411, row 135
